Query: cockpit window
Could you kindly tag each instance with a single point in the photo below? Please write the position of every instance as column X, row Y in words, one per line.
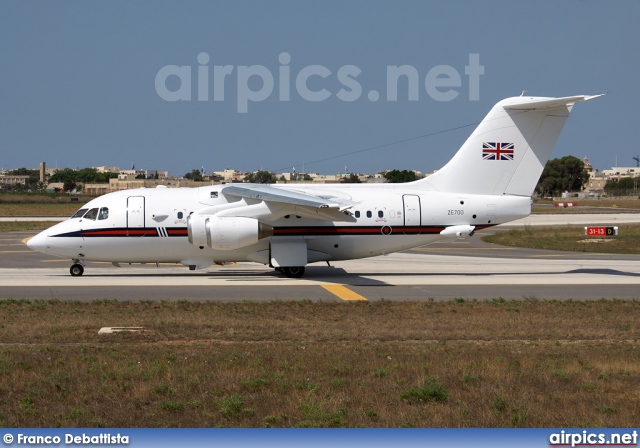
column 104, row 213
column 92, row 214
column 80, row 213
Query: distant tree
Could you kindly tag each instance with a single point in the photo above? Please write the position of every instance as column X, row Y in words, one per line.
column 397, row 176
column 260, row 177
column 352, row 179
column 63, row 176
column 622, row 187
column 141, row 176
column 559, row 175
column 194, row 175
column 85, row 176
column 307, row 177
column 69, row 185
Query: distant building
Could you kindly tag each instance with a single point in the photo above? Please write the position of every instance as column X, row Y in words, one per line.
column 621, row 171
column 96, row 189
column 128, row 184
column 107, row 169
column 5, row 179
column 325, row 178
column 54, row 186
column 131, row 174
column 229, row 175
column 51, row 171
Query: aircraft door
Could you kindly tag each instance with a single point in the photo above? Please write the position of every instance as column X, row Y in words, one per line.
column 411, row 210
column 135, row 212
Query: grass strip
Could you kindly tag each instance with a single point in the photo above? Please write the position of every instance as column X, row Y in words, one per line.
column 528, row 363
column 570, row 238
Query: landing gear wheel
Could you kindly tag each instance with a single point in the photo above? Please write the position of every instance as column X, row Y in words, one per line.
column 76, row 270
column 293, row 271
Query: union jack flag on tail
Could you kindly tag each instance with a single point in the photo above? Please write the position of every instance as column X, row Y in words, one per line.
column 497, row 151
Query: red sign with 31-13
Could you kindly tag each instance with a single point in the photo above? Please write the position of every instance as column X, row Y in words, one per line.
column 600, row 231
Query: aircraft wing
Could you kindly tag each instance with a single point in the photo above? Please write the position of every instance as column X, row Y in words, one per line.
column 327, row 208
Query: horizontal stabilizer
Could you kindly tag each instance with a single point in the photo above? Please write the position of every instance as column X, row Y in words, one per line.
column 547, row 103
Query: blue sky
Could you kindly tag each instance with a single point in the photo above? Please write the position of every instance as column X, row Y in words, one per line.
column 78, row 81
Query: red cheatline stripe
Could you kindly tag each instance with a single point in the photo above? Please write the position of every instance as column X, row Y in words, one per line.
column 320, row 230
column 355, row 230
column 134, row 232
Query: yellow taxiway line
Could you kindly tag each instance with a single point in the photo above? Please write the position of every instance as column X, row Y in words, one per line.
column 343, row 292
column 427, row 249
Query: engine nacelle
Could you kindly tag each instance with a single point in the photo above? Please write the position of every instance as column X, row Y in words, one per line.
column 196, row 230
column 226, row 233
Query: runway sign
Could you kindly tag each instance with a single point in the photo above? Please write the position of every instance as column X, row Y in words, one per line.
column 601, row 231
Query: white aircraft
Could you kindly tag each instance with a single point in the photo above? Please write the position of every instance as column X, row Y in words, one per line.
column 488, row 182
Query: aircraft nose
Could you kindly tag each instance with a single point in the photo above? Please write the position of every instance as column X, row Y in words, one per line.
column 38, row 242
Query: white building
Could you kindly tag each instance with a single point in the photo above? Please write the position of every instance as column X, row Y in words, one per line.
column 621, row 171
column 229, row 175
column 107, row 169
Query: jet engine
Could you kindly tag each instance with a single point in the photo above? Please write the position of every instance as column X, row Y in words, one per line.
column 226, row 233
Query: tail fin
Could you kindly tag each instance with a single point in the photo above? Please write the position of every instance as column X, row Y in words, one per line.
column 508, row 150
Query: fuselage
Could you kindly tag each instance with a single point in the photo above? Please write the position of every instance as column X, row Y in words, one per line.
column 150, row 225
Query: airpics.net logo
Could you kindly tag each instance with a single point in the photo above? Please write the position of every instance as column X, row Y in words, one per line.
column 255, row 83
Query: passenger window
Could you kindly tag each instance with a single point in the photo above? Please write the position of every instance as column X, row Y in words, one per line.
column 357, row 213
column 380, row 214
column 80, row 213
column 369, row 214
column 180, row 215
column 104, row 214
column 92, row 214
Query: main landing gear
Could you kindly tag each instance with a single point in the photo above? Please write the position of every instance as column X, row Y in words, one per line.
column 292, row 271
column 76, row 270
